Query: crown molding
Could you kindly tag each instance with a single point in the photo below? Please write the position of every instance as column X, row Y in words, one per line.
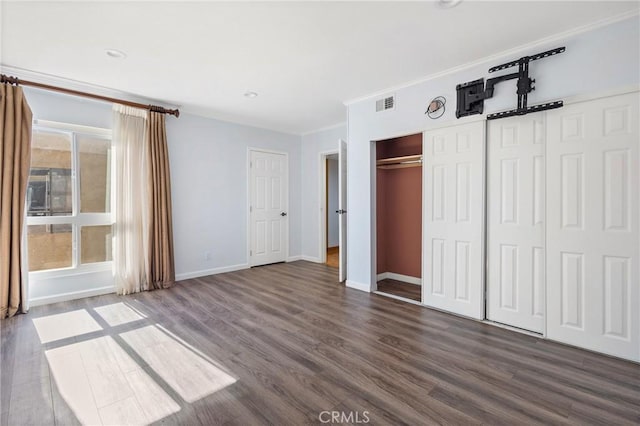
column 66, row 83
column 497, row 56
column 326, row 128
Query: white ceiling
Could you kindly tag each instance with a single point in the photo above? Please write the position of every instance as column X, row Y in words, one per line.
column 303, row 58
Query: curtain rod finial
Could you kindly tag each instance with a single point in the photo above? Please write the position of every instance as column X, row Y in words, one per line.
column 9, row 79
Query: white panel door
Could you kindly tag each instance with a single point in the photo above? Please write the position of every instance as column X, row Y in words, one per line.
column 593, row 240
column 454, row 219
column 268, row 208
column 342, row 209
column 515, row 221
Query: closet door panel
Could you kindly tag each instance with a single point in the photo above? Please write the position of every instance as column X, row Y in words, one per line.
column 453, row 209
column 593, row 238
column 515, row 223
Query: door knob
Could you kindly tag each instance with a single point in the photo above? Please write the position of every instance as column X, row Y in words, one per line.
column 341, row 211
column 283, row 214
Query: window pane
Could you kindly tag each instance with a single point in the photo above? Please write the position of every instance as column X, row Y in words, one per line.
column 49, row 246
column 95, row 185
column 49, row 190
column 95, row 243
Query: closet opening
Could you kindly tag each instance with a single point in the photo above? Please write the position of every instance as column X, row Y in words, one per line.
column 399, row 217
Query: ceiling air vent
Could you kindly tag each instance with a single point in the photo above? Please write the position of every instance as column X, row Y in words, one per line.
column 385, row 103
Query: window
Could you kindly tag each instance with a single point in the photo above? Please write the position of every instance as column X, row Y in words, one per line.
column 69, row 198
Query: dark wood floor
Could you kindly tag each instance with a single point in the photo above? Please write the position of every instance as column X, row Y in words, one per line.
column 299, row 343
column 402, row 289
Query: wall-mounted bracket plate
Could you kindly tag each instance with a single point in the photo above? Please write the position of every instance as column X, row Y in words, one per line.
column 471, row 95
column 467, row 93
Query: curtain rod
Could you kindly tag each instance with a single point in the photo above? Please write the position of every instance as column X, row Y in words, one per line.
column 14, row 80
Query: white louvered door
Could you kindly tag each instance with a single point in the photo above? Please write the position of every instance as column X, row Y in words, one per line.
column 454, row 219
column 515, row 221
column 593, row 239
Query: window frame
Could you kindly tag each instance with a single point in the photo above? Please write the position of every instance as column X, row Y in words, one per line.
column 77, row 219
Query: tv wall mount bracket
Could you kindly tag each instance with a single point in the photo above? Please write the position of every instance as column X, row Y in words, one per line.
column 471, row 95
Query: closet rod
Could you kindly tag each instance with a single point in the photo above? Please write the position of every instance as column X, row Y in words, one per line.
column 19, row 82
column 400, row 164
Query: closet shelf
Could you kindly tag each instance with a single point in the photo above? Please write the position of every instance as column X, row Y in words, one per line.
column 400, row 162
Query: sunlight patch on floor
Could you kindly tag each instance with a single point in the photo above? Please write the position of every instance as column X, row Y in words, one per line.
column 62, row 326
column 102, row 384
column 190, row 374
column 118, row 314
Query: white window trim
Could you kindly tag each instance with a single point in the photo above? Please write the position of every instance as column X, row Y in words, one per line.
column 76, row 219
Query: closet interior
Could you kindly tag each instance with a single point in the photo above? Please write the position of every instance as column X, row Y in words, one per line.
column 399, row 217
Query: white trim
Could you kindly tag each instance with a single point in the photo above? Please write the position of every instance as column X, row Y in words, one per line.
column 45, row 300
column 77, row 128
column 399, row 277
column 324, row 129
column 400, row 298
column 423, row 237
column 287, row 230
column 496, row 56
column 374, row 203
column 77, row 220
column 268, row 151
column 294, row 258
column 39, row 77
column 214, row 271
column 248, row 207
column 311, row 259
column 358, row 286
column 70, row 271
column 322, row 250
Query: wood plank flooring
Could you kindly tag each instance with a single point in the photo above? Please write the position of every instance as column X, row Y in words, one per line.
column 333, row 257
column 279, row 345
column 402, row 289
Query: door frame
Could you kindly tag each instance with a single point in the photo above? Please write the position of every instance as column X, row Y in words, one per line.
column 248, row 199
column 374, row 217
column 373, row 205
column 322, row 211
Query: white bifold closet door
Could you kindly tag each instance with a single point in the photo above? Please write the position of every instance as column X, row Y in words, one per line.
column 453, row 161
column 515, row 221
column 593, row 239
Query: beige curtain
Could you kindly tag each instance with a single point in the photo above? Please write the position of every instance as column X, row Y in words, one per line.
column 15, row 161
column 131, row 230
column 161, row 273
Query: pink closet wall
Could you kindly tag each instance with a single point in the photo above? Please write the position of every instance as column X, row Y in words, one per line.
column 399, row 209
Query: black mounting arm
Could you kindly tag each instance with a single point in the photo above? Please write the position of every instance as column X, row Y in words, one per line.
column 471, row 95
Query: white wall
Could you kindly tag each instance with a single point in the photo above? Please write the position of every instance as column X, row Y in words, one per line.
column 208, row 160
column 332, row 177
column 313, row 145
column 602, row 59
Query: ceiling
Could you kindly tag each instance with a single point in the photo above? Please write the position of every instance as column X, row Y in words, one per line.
column 304, row 59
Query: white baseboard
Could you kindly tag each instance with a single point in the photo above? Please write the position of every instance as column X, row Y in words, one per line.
column 214, row 271
column 399, row 277
column 311, row 259
column 45, row 300
column 294, row 258
column 359, row 286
